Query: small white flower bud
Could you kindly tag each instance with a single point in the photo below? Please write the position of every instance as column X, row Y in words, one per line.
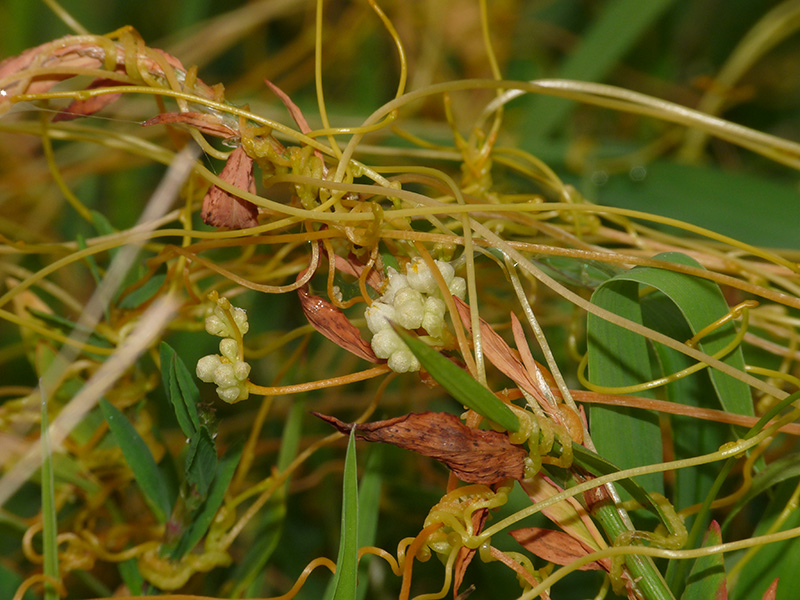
column 224, row 376
column 240, row 318
column 433, row 321
column 447, row 271
column 241, row 370
column 395, row 282
column 206, row 367
column 420, row 277
column 229, row 349
column 458, row 287
column 403, row 361
column 216, row 326
column 409, row 307
column 229, row 394
column 385, row 342
column 379, row 315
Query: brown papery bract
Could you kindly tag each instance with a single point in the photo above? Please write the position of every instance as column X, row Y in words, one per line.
column 223, row 209
column 474, row 455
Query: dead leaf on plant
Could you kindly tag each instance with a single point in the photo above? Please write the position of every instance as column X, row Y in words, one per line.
column 204, row 122
column 89, row 106
column 223, row 209
column 334, row 325
column 554, row 546
column 474, row 455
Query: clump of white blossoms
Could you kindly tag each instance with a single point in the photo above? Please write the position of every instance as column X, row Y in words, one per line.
column 412, row 301
column 227, row 369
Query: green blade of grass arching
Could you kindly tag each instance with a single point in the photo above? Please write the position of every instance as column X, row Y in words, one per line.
column 49, row 524
column 460, row 385
column 345, row 580
column 369, row 496
column 618, row 357
column 140, row 461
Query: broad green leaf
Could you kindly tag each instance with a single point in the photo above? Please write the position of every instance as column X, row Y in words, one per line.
column 49, row 524
column 460, row 385
column 345, row 579
column 226, row 467
column 707, row 577
column 201, row 464
column 181, row 390
column 721, row 200
column 139, row 459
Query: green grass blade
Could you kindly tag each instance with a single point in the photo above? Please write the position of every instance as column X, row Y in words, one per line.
column 181, row 390
column 49, row 524
column 608, row 345
column 346, row 577
column 140, row 461
column 460, row 385
column 707, row 577
column 620, row 25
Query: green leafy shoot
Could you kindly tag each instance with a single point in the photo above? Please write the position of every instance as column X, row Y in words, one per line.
column 460, row 385
column 140, row 461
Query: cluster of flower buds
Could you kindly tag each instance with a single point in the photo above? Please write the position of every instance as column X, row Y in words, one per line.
column 227, row 369
column 411, row 301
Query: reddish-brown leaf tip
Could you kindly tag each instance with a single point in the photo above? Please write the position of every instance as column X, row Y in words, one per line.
column 474, row 455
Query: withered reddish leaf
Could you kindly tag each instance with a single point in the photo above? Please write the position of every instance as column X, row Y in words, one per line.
column 334, row 325
column 353, row 267
column 465, row 555
column 553, row 546
column 202, row 121
column 474, row 455
column 502, row 356
column 772, row 591
column 297, row 115
column 83, row 108
column 222, row 209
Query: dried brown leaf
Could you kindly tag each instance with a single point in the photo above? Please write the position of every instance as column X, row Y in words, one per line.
column 334, row 325
column 353, row 267
column 465, row 555
column 89, row 106
column 296, row 114
column 554, row 546
column 222, row 209
column 474, row 455
column 204, row 122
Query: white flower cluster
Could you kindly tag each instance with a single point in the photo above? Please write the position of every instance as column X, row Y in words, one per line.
column 412, row 301
column 227, row 369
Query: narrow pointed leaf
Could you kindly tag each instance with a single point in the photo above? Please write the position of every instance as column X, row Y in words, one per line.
column 181, row 390
column 460, row 385
column 346, row 576
column 139, row 459
column 707, row 577
column 49, row 525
